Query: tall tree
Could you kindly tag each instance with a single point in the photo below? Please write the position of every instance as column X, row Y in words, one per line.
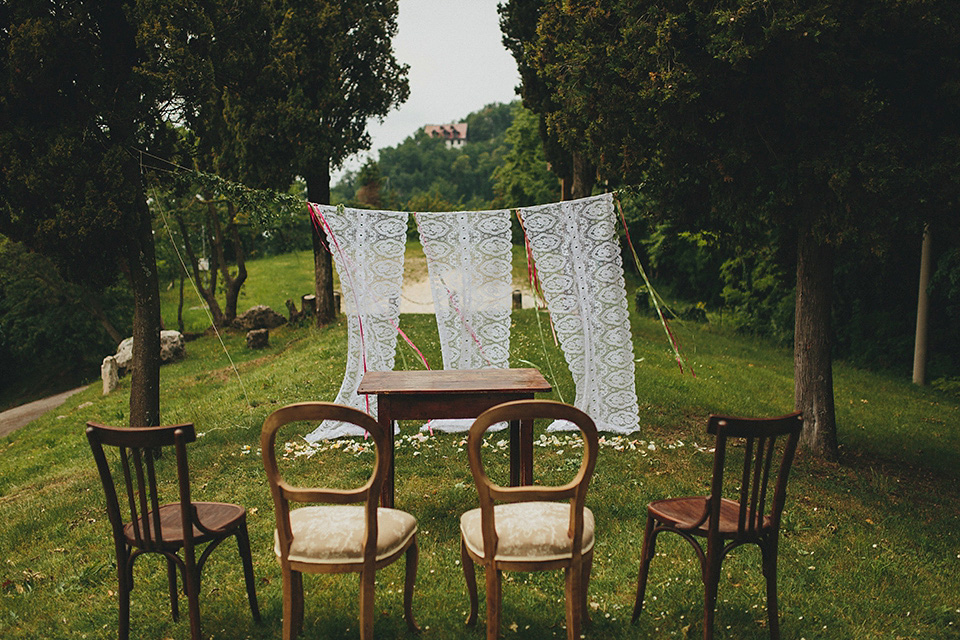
column 518, row 22
column 830, row 121
column 79, row 96
column 524, row 178
column 332, row 68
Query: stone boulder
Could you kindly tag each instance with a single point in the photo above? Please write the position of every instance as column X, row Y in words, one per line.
column 110, row 374
column 258, row 317
column 171, row 349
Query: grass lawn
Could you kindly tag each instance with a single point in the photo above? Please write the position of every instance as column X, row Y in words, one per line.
column 869, row 546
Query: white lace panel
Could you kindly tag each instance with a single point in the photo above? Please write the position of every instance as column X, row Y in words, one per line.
column 367, row 248
column 577, row 256
column 469, row 261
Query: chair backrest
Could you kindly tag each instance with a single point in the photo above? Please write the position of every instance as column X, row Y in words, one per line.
column 575, row 491
column 138, row 449
column 283, row 492
column 760, row 438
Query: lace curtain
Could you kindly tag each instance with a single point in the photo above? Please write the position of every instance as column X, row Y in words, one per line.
column 469, row 261
column 367, row 249
column 577, row 254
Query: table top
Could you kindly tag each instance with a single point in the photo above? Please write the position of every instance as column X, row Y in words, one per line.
column 453, row 381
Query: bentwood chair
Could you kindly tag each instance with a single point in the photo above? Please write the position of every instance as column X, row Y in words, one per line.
column 349, row 534
column 535, row 528
column 724, row 523
column 163, row 528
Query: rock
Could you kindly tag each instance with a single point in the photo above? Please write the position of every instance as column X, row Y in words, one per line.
column 258, row 338
column 124, row 355
column 171, row 349
column 110, row 374
column 258, row 317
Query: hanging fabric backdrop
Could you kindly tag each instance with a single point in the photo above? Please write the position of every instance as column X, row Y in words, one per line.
column 577, row 255
column 367, row 249
column 469, row 261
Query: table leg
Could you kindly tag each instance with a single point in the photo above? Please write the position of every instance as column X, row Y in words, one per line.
column 386, row 423
column 526, row 452
column 516, row 464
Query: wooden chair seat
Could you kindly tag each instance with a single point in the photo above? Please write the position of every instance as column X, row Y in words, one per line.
column 348, row 534
column 528, row 531
column 529, row 528
column 156, row 526
column 678, row 512
column 219, row 517
column 334, row 534
column 726, row 524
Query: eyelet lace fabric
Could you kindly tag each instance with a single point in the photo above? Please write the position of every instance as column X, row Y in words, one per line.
column 469, row 262
column 367, row 248
column 577, row 254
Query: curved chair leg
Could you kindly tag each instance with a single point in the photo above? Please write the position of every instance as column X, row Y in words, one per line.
column 646, row 555
column 410, row 578
column 492, row 575
column 769, row 555
column 243, row 544
column 292, row 603
column 470, row 575
column 172, row 583
column 587, row 569
column 574, row 604
column 367, row 593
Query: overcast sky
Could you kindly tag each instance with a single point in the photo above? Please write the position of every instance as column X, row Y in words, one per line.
column 457, row 62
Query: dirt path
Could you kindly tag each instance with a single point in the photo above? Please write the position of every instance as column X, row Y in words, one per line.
column 418, row 298
column 13, row 419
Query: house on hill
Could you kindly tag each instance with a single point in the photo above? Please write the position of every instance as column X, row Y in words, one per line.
column 455, row 134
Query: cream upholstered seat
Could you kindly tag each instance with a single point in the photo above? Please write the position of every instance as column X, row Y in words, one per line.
column 350, row 535
column 528, row 530
column 534, row 528
column 334, row 534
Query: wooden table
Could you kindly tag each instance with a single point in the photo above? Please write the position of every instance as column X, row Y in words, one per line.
column 464, row 393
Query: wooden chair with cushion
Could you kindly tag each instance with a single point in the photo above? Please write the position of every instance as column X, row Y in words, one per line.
column 535, row 528
column 349, row 534
column 724, row 523
column 163, row 528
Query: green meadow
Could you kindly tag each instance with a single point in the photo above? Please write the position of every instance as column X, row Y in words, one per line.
column 869, row 545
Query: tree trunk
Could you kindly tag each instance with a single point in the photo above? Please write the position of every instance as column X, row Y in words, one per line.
column 813, row 366
column 233, row 285
column 584, row 176
column 318, row 192
column 923, row 305
column 209, row 293
column 145, row 366
column 180, row 306
column 92, row 304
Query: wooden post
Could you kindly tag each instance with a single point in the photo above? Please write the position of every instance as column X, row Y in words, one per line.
column 923, row 304
column 517, row 299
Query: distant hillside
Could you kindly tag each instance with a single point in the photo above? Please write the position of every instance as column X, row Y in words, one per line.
column 421, row 173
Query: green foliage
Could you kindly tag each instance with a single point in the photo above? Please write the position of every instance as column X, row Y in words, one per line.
column 757, row 295
column 51, row 331
column 524, row 178
column 894, row 489
column 332, row 67
column 423, row 167
column 79, row 95
column 836, row 114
